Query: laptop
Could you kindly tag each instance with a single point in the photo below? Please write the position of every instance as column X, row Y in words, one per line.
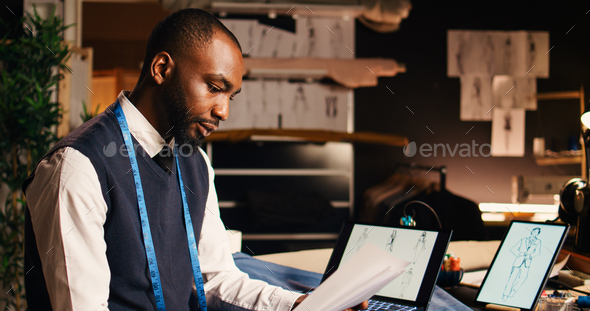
column 425, row 249
column 522, row 265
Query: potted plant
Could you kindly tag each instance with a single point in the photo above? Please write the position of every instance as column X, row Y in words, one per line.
column 31, row 63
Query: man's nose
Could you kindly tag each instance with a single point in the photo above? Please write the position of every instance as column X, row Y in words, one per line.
column 221, row 109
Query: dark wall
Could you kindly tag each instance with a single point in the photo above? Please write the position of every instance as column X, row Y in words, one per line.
column 434, row 98
column 118, row 32
column 10, row 13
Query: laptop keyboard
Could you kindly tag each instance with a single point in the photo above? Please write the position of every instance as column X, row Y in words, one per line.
column 386, row 306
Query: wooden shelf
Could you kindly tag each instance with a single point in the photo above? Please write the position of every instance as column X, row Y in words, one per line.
column 351, row 73
column 309, row 136
column 291, row 9
column 545, row 161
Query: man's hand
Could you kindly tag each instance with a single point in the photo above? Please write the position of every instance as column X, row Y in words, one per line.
column 364, row 305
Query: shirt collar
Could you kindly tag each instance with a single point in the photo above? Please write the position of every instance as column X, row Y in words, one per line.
column 145, row 133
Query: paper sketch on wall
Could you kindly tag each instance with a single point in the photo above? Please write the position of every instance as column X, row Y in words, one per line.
column 267, row 110
column 419, row 247
column 537, row 56
column 333, row 107
column 406, row 280
column 514, row 92
column 301, row 105
column 470, row 53
column 508, row 132
column 247, row 32
column 287, row 44
column 476, row 98
column 389, row 245
column 497, row 53
column 525, row 250
column 325, row 37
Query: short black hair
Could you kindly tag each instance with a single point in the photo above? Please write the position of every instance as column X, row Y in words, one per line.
column 183, row 30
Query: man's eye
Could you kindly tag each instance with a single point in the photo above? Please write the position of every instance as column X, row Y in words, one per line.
column 214, row 89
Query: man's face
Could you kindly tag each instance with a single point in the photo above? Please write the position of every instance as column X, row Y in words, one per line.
column 198, row 94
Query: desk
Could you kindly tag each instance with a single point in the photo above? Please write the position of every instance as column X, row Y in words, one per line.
column 577, row 261
column 302, row 280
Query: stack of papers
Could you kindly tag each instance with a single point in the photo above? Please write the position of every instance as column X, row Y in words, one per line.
column 355, row 281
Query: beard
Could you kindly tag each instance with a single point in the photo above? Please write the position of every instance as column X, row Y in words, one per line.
column 178, row 116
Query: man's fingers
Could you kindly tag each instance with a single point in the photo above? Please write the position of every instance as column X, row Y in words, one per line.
column 362, row 306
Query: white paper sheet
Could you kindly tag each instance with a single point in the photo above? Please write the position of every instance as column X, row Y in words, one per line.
column 476, row 98
column 508, row 132
column 558, row 266
column 514, row 92
column 474, row 278
column 514, row 53
column 287, row 45
column 325, row 37
column 247, row 32
column 355, row 281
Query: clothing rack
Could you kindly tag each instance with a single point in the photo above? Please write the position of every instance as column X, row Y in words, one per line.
column 442, row 170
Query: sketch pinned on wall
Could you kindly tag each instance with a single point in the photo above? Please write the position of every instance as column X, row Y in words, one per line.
column 476, row 98
column 510, row 54
column 456, row 53
column 325, row 37
column 332, row 113
column 275, row 43
column 305, row 29
column 497, row 53
column 271, row 103
column 514, row 92
column 287, row 44
column 467, row 53
column 297, row 102
column 525, row 250
column 537, row 46
column 268, row 45
column 254, row 104
column 247, row 32
column 261, row 104
column 508, row 132
column 242, row 108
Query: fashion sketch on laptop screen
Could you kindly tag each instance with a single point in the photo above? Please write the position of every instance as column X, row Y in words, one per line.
column 414, row 246
column 522, row 263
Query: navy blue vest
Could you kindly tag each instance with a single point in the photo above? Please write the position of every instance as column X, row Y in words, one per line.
column 130, row 287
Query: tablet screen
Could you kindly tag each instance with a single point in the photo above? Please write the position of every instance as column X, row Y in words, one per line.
column 412, row 245
column 522, row 264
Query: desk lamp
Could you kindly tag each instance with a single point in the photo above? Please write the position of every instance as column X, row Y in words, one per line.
column 575, row 196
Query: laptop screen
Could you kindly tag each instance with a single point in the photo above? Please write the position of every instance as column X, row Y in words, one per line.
column 415, row 246
column 522, row 264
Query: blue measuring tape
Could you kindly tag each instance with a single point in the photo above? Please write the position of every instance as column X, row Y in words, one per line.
column 145, row 225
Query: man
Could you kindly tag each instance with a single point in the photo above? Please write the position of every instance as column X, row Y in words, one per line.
column 116, row 208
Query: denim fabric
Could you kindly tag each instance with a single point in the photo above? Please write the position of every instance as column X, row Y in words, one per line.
column 301, row 280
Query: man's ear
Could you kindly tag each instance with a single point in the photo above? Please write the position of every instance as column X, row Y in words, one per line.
column 161, row 67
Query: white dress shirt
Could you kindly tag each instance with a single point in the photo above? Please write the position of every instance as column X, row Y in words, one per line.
column 68, row 212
